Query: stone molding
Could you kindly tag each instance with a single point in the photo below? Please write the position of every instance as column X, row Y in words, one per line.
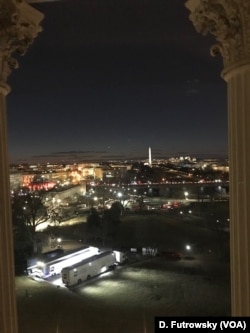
column 19, row 25
column 229, row 22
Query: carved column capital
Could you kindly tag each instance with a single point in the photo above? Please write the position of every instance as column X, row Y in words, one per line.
column 229, row 22
column 19, row 25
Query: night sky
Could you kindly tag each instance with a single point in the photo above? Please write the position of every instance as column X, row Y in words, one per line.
column 106, row 79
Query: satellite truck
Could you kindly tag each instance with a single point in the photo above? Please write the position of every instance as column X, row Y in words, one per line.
column 48, row 266
column 88, row 268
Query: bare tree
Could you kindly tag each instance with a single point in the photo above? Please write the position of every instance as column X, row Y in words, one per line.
column 93, row 224
column 31, row 207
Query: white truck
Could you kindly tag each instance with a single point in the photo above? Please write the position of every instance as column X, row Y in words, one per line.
column 88, row 268
column 45, row 267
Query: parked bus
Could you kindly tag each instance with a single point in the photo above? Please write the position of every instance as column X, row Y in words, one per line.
column 88, row 268
column 45, row 267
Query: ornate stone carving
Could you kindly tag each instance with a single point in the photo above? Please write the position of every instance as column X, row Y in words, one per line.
column 19, row 25
column 229, row 22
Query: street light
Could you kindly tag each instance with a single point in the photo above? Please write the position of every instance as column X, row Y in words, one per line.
column 59, row 241
column 119, row 194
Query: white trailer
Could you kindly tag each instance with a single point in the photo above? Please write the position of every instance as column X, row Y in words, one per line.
column 88, row 268
column 46, row 268
column 120, row 257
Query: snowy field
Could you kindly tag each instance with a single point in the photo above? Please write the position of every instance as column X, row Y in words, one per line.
column 126, row 300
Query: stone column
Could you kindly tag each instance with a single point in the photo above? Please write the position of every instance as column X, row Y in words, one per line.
column 229, row 22
column 19, row 24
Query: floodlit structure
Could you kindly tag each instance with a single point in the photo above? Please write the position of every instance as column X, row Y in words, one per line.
column 229, row 22
column 88, row 268
column 45, row 268
column 149, row 157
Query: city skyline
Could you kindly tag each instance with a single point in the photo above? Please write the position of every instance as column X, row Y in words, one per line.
column 106, row 81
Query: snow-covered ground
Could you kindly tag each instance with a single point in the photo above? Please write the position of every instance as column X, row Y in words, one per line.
column 128, row 299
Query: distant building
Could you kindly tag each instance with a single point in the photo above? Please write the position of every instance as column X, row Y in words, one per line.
column 149, row 157
column 66, row 194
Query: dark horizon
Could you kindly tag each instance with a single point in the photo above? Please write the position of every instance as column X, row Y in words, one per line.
column 108, row 80
column 79, row 160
